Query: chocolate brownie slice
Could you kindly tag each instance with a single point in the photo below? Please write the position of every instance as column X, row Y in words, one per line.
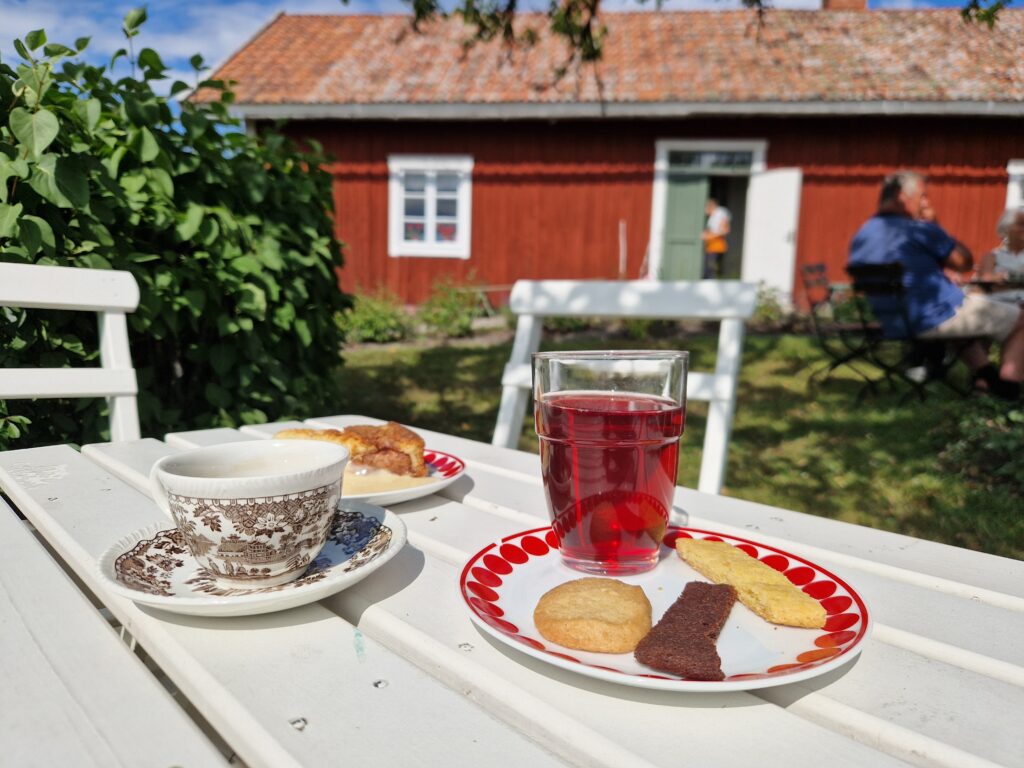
column 683, row 642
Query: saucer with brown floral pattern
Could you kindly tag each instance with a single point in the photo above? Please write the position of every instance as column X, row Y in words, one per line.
column 153, row 567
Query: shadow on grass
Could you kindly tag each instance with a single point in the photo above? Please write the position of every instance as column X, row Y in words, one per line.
column 446, row 389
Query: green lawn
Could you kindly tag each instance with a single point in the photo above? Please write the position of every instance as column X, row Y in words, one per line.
column 875, row 464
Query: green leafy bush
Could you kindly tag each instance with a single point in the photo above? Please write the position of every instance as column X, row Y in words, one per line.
column 569, row 324
column 987, row 446
column 768, row 308
column 771, row 313
column 376, row 318
column 637, row 328
column 450, row 309
column 228, row 235
column 982, row 452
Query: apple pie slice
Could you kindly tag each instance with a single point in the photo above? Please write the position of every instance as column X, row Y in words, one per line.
column 390, row 446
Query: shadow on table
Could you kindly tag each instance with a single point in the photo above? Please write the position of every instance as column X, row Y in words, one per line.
column 458, row 490
column 398, row 574
column 392, row 578
column 781, row 695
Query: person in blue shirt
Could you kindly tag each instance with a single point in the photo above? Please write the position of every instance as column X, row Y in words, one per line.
column 937, row 309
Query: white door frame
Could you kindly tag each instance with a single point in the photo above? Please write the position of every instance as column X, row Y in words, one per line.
column 1015, row 184
column 770, row 230
column 659, row 196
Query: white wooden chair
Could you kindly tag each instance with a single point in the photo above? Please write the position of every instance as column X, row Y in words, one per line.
column 111, row 294
column 729, row 302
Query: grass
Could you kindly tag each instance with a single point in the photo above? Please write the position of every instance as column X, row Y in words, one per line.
column 877, row 464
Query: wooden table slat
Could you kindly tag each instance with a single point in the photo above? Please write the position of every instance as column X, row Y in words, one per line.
column 251, row 684
column 940, row 684
column 71, row 691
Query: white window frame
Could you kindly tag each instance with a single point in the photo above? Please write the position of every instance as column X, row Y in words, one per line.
column 398, row 166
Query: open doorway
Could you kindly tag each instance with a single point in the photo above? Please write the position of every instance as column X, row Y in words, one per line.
column 687, row 173
column 731, row 192
column 765, row 208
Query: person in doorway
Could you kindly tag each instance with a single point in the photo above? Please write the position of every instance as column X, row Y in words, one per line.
column 936, row 308
column 714, row 236
column 1004, row 265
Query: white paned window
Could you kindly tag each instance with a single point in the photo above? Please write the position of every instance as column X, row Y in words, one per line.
column 429, row 205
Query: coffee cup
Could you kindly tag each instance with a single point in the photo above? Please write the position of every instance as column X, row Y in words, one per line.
column 253, row 514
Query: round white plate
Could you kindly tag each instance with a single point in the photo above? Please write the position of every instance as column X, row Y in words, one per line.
column 502, row 583
column 154, row 567
column 443, row 468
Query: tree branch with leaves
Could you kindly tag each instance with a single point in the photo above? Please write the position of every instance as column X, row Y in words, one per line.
column 579, row 22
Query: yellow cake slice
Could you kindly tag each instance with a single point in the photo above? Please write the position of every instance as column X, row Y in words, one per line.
column 761, row 588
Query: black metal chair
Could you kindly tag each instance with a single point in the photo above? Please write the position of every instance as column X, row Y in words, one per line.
column 898, row 354
column 839, row 328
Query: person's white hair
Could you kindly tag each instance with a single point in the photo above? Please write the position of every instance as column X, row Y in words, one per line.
column 900, row 181
column 1003, row 225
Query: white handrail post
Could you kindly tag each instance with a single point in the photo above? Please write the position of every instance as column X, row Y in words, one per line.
column 722, row 407
column 512, row 410
column 114, row 353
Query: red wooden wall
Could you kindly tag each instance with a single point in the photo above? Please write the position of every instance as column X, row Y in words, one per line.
column 548, row 196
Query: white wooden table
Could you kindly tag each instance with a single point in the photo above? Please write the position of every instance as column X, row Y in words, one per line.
column 392, row 672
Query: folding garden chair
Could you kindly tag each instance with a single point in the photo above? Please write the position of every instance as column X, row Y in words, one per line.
column 898, row 354
column 839, row 329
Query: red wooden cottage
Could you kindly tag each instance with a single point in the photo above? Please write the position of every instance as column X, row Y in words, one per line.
column 480, row 163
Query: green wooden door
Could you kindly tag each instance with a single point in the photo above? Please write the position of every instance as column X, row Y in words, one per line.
column 682, row 254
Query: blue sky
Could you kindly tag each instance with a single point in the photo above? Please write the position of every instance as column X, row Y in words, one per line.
column 215, row 28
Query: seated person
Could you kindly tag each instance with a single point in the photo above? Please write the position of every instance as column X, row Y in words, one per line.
column 1005, row 263
column 936, row 308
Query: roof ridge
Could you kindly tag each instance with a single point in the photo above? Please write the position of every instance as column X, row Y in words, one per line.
column 362, row 62
column 663, row 12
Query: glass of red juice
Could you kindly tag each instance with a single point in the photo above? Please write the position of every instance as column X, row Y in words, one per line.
column 609, row 425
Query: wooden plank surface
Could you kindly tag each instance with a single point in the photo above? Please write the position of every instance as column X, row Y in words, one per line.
column 71, row 691
column 702, row 299
column 98, row 290
column 941, row 649
column 252, row 678
column 923, row 693
column 557, row 709
column 441, row 533
column 32, row 383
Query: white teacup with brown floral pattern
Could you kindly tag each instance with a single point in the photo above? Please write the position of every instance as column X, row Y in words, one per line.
column 254, row 514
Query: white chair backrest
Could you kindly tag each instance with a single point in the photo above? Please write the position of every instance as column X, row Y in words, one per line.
column 110, row 293
column 729, row 302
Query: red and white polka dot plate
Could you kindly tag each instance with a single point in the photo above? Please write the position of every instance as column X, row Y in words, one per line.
column 443, row 468
column 502, row 583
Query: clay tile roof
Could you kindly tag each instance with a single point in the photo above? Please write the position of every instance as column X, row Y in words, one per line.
column 650, row 58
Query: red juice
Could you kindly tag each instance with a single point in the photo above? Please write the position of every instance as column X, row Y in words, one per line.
column 609, row 465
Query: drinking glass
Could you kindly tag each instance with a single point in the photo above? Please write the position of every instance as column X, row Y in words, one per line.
column 609, row 425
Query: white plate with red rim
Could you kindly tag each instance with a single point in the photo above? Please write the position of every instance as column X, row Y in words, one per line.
column 501, row 584
column 442, row 468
